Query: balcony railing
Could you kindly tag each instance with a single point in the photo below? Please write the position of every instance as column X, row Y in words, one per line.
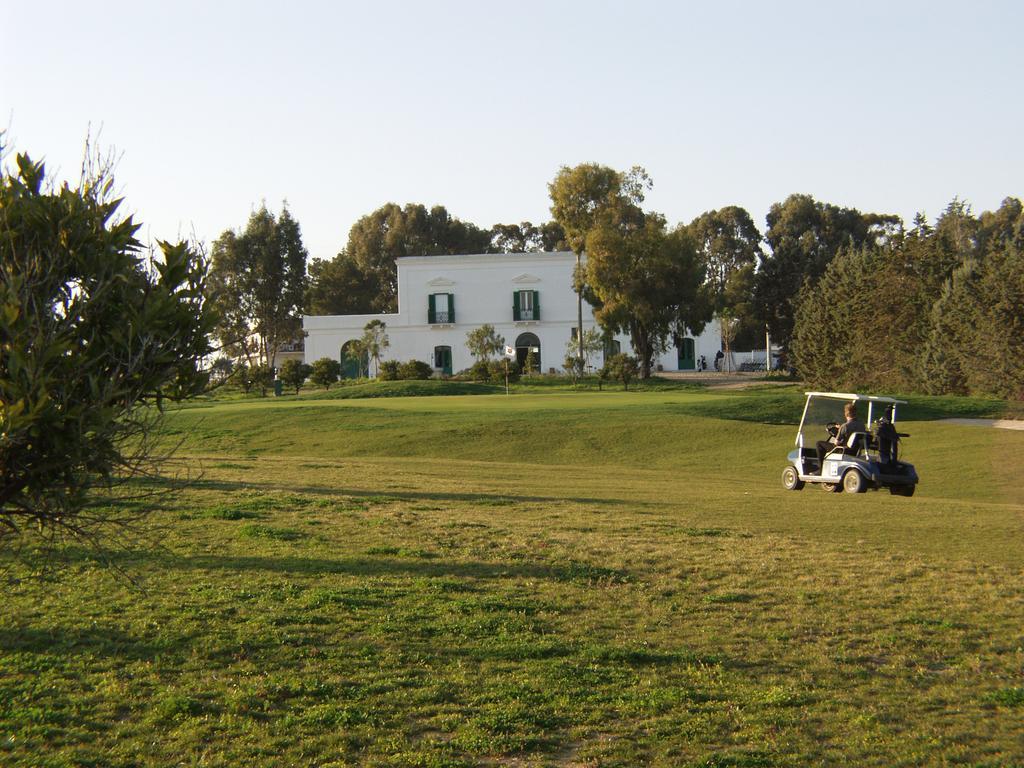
column 443, row 317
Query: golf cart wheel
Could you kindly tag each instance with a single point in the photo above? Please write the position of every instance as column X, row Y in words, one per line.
column 831, row 487
column 791, row 480
column 854, row 482
column 902, row 490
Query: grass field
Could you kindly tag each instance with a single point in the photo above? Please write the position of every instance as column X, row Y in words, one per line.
column 552, row 578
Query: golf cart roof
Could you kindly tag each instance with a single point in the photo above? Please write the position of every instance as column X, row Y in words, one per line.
column 855, row 396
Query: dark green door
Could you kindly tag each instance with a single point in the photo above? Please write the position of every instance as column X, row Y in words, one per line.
column 443, row 359
column 687, row 355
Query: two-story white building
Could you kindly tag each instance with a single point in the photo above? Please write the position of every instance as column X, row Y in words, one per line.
column 527, row 297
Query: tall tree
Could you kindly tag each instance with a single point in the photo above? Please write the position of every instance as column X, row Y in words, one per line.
column 390, row 232
column 591, row 196
column 647, row 282
column 525, row 237
column 804, row 235
column 259, row 281
column 730, row 246
column 339, row 287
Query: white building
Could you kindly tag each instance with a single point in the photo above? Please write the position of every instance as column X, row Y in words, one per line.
column 527, row 297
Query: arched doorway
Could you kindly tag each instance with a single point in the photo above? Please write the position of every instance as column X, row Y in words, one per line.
column 351, row 366
column 687, row 355
column 524, row 344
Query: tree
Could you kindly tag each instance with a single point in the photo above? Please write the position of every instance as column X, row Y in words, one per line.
column 325, row 371
column 804, row 236
column 221, row 369
column 530, row 363
column 94, row 339
column 525, row 237
column 647, row 282
column 483, row 342
column 621, row 367
column 938, row 310
column 375, row 341
column 572, row 364
column 339, row 287
column 294, row 373
column 260, row 377
column 390, row 232
column 589, row 196
column 729, row 244
column 259, row 281
column 593, row 342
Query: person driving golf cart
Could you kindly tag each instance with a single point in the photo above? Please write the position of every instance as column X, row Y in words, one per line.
column 840, row 434
column 855, row 459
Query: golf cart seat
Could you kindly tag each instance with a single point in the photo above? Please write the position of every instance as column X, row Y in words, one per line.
column 854, row 444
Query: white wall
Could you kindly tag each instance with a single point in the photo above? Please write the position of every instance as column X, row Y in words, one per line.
column 482, row 286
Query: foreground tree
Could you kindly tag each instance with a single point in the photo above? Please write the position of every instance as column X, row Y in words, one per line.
column 94, row 339
column 258, row 278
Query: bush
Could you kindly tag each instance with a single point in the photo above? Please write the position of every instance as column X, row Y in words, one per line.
column 389, row 371
column 414, row 369
column 326, row 371
column 293, row 373
column 479, row 371
column 622, row 368
column 496, row 371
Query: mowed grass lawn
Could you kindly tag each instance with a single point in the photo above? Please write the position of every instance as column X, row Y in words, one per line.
column 567, row 579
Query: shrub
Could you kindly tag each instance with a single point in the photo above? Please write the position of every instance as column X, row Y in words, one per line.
column 414, row 369
column 622, row 368
column 496, row 371
column 326, row 371
column 480, row 371
column 294, row 373
column 389, row 371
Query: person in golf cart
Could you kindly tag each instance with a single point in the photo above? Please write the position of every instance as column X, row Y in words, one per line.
column 852, row 426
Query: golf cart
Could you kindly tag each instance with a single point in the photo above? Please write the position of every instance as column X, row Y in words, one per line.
column 867, row 460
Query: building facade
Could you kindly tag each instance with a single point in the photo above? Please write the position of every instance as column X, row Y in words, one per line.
column 527, row 297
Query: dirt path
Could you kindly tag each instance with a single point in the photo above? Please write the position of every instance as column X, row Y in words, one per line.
column 716, row 380
column 997, row 423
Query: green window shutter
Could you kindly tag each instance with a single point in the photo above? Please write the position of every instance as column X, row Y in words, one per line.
column 451, row 307
column 515, row 306
column 536, row 305
column 431, row 308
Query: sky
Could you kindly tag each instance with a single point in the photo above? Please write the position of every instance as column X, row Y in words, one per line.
column 339, row 107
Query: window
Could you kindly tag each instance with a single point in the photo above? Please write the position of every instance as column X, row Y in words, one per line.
column 441, row 308
column 525, row 305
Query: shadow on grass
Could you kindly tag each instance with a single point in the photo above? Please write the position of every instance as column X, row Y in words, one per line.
column 94, row 641
column 569, row 572
column 485, row 499
column 564, row 571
